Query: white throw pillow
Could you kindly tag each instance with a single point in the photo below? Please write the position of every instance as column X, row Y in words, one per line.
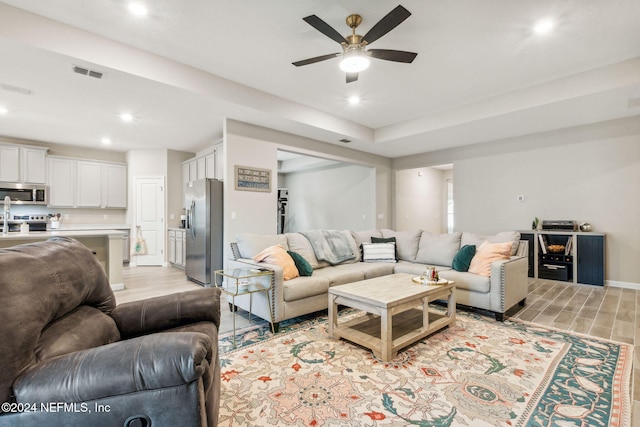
column 379, row 252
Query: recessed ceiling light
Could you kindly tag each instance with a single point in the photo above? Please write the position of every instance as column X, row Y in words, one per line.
column 353, row 100
column 3, row 110
column 126, row 117
column 543, row 26
column 106, row 141
column 138, row 9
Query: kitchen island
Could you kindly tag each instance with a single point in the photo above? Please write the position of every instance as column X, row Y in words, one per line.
column 107, row 244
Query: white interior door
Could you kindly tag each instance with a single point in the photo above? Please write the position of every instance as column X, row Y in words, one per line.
column 150, row 218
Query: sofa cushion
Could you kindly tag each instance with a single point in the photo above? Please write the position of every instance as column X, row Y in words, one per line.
column 406, row 243
column 376, row 269
column 341, row 274
column 488, row 253
column 301, row 245
column 438, row 249
column 468, row 281
column 505, row 236
column 304, row 268
column 379, row 252
column 415, row 268
column 278, row 255
column 463, row 258
column 304, row 287
column 250, row 245
column 361, row 237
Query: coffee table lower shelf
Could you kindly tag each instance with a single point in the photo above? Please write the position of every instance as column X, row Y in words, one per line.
column 406, row 329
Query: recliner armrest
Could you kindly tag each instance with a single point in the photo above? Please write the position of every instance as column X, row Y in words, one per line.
column 169, row 311
column 145, row 363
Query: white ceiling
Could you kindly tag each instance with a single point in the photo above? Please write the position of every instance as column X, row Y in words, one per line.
column 481, row 73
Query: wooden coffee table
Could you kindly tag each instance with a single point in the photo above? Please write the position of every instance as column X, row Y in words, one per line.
column 397, row 312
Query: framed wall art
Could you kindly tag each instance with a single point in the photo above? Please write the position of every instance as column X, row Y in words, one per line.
column 252, row 179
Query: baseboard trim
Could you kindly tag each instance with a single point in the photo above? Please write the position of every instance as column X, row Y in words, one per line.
column 117, row 286
column 626, row 285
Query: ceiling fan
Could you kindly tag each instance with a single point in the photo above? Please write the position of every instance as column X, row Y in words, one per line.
column 354, row 52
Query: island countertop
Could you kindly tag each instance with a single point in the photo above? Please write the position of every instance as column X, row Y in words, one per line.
column 44, row 235
column 106, row 244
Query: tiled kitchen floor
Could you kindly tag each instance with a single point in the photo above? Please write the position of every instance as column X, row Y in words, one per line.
column 611, row 313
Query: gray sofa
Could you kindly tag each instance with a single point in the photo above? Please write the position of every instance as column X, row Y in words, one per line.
column 506, row 287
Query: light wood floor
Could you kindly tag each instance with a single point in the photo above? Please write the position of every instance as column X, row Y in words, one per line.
column 611, row 313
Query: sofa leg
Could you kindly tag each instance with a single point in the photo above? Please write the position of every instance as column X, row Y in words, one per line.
column 499, row 317
column 523, row 302
column 276, row 327
column 233, row 307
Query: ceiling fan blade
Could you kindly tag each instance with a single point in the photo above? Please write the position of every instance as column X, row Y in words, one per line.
column 392, row 55
column 316, row 59
column 352, row 77
column 386, row 24
column 324, row 28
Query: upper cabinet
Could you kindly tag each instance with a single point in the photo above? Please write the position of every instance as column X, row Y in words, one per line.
column 23, row 164
column 207, row 165
column 87, row 184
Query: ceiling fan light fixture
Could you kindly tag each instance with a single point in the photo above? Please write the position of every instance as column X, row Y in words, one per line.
column 354, row 61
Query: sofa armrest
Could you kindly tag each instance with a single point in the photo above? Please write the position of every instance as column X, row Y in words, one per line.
column 145, row 363
column 169, row 311
column 509, row 283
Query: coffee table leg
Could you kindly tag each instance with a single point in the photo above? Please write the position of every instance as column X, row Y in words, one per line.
column 386, row 327
column 451, row 305
column 333, row 314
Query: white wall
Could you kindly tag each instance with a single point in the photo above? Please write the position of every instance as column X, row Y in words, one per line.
column 338, row 197
column 249, row 145
column 419, row 200
column 589, row 173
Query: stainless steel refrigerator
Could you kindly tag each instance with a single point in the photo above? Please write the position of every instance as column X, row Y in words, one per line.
column 204, row 208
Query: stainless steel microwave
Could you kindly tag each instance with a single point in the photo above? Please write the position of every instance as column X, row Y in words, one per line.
column 24, row 194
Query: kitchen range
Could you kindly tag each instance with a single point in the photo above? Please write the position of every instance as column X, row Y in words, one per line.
column 35, row 222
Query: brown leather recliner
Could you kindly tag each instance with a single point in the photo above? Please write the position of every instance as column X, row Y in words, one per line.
column 70, row 357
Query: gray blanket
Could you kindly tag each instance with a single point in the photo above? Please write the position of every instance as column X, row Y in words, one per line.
column 332, row 246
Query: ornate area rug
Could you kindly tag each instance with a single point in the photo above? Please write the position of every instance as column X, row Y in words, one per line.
column 475, row 373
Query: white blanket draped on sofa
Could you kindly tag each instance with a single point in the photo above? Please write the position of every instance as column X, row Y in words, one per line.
column 332, row 246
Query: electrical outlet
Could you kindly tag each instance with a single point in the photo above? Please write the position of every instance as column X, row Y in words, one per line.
column 520, row 198
column 66, row 216
column 105, row 216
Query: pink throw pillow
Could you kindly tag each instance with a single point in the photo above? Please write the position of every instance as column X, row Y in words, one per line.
column 486, row 254
column 278, row 255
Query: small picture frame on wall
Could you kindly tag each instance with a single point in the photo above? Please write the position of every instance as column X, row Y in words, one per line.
column 252, row 179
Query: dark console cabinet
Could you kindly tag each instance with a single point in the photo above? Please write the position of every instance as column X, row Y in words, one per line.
column 590, row 251
column 584, row 262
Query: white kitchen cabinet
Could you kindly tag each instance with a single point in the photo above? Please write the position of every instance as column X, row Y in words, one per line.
column 9, row 163
column 86, row 184
column 177, row 247
column 210, row 166
column 62, row 182
column 89, row 185
column 114, row 186
column 23, row 164
column 33, row 165
column 219, row 163
column 193, row 170
column 200, row 167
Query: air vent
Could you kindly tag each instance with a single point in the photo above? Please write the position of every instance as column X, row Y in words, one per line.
column 87, row 72
column 346, row 141
column 16, row 89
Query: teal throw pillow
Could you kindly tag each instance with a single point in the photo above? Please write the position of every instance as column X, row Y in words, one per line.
column 462, row 260
column 386, row 240
column 304, row 268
